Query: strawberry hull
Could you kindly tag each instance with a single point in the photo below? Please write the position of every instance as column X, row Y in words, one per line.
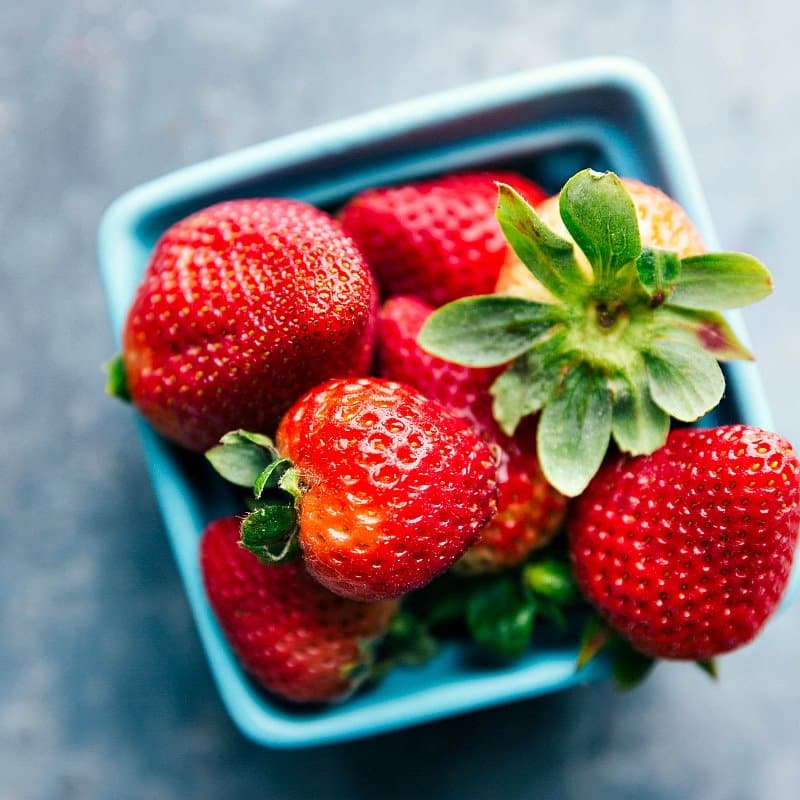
column 548, row 124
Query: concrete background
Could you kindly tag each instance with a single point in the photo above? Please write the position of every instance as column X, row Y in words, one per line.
column 104, row 690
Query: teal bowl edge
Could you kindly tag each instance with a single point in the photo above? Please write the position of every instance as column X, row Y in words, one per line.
column 119, row 246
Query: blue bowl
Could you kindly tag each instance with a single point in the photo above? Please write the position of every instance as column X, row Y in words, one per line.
column 548, row 124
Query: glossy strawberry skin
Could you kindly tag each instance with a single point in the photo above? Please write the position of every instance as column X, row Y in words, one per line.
column 243, row 307
column 298, row 640
column 530, row 511
column 438, row 239
column 395, row 488
column 686, row 552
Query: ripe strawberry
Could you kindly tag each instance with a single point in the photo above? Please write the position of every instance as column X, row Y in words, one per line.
column 387, row 488
column 245, row 306
column 663, row 224
column 686, row 552
column 529, row 510
column 625, row 337
column 439, row 239
column 295, row 637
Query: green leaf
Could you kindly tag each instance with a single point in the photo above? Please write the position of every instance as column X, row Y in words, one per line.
column 247, row 437
column 601, row 217
column 574, row 430
column 551, row 579
column 709, row 666
column 658, row 270
column 527, row 384
column 241, row 457
column 487, row 330
column 500, row 617
column 720, row 281
column 445, row 599
column 268, row 523
column 629, row 667
column 270, row 531
column 708, row 329
column 684, row 379
column 240, row 464
column 117, row 379
column 638, row 425
column 271, row 476
column 596, row 636
column 408, row 641
column 553, row 612
column 550, row 259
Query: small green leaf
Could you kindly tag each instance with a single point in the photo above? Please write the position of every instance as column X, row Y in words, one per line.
column 708, row 329
column 247, row 437
column 271, row 476
column 684, row 379
column 550, row 259
column 638, row 425
column 240, row 464
column 445, row 600
column 408, row 641
column 709, row 666
column 487, row 330
column 551, row 579
column 720, row 281
column 629, row 667
column 117, row 379
column 527, row 384
column 596, row 636
column 500, row 617
column 600, row 215
column 270, row 531
column 553, row 612
column 241, row 457
column 290, row 482
column 658, row 270
column 574, row 430
column 268, row 524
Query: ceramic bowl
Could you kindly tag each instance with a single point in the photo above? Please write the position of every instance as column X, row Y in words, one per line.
column 548, row 124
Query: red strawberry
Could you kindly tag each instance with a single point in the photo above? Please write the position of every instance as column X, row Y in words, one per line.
column 687, row 551
column 296, row 638
column 439, row 239
column 390, row 488
column 245, row 306
column 529, row 510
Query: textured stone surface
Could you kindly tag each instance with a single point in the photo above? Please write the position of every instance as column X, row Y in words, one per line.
column 104, row 690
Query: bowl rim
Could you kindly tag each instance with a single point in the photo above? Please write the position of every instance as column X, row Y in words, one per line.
column 118, row 244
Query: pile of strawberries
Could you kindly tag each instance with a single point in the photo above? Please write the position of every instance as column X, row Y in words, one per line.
column 410, row 466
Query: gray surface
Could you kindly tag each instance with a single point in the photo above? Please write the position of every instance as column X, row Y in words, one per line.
column 104, row 691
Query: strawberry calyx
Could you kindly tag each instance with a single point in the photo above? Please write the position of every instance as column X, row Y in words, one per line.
column 500, row 611
column 615, row 353
column 629, row 666
column 117, row 378
column 270, row 530
column 407, row 641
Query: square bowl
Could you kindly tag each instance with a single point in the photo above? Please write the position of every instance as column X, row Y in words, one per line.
column 604, row 113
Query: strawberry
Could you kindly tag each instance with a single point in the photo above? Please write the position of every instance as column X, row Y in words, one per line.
column 663, row 224
column 529, row 510
column 687, row 551
column 627, row 336
column 438, row 239
column 243, row 307
column 296, row 638
column 382, row 489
